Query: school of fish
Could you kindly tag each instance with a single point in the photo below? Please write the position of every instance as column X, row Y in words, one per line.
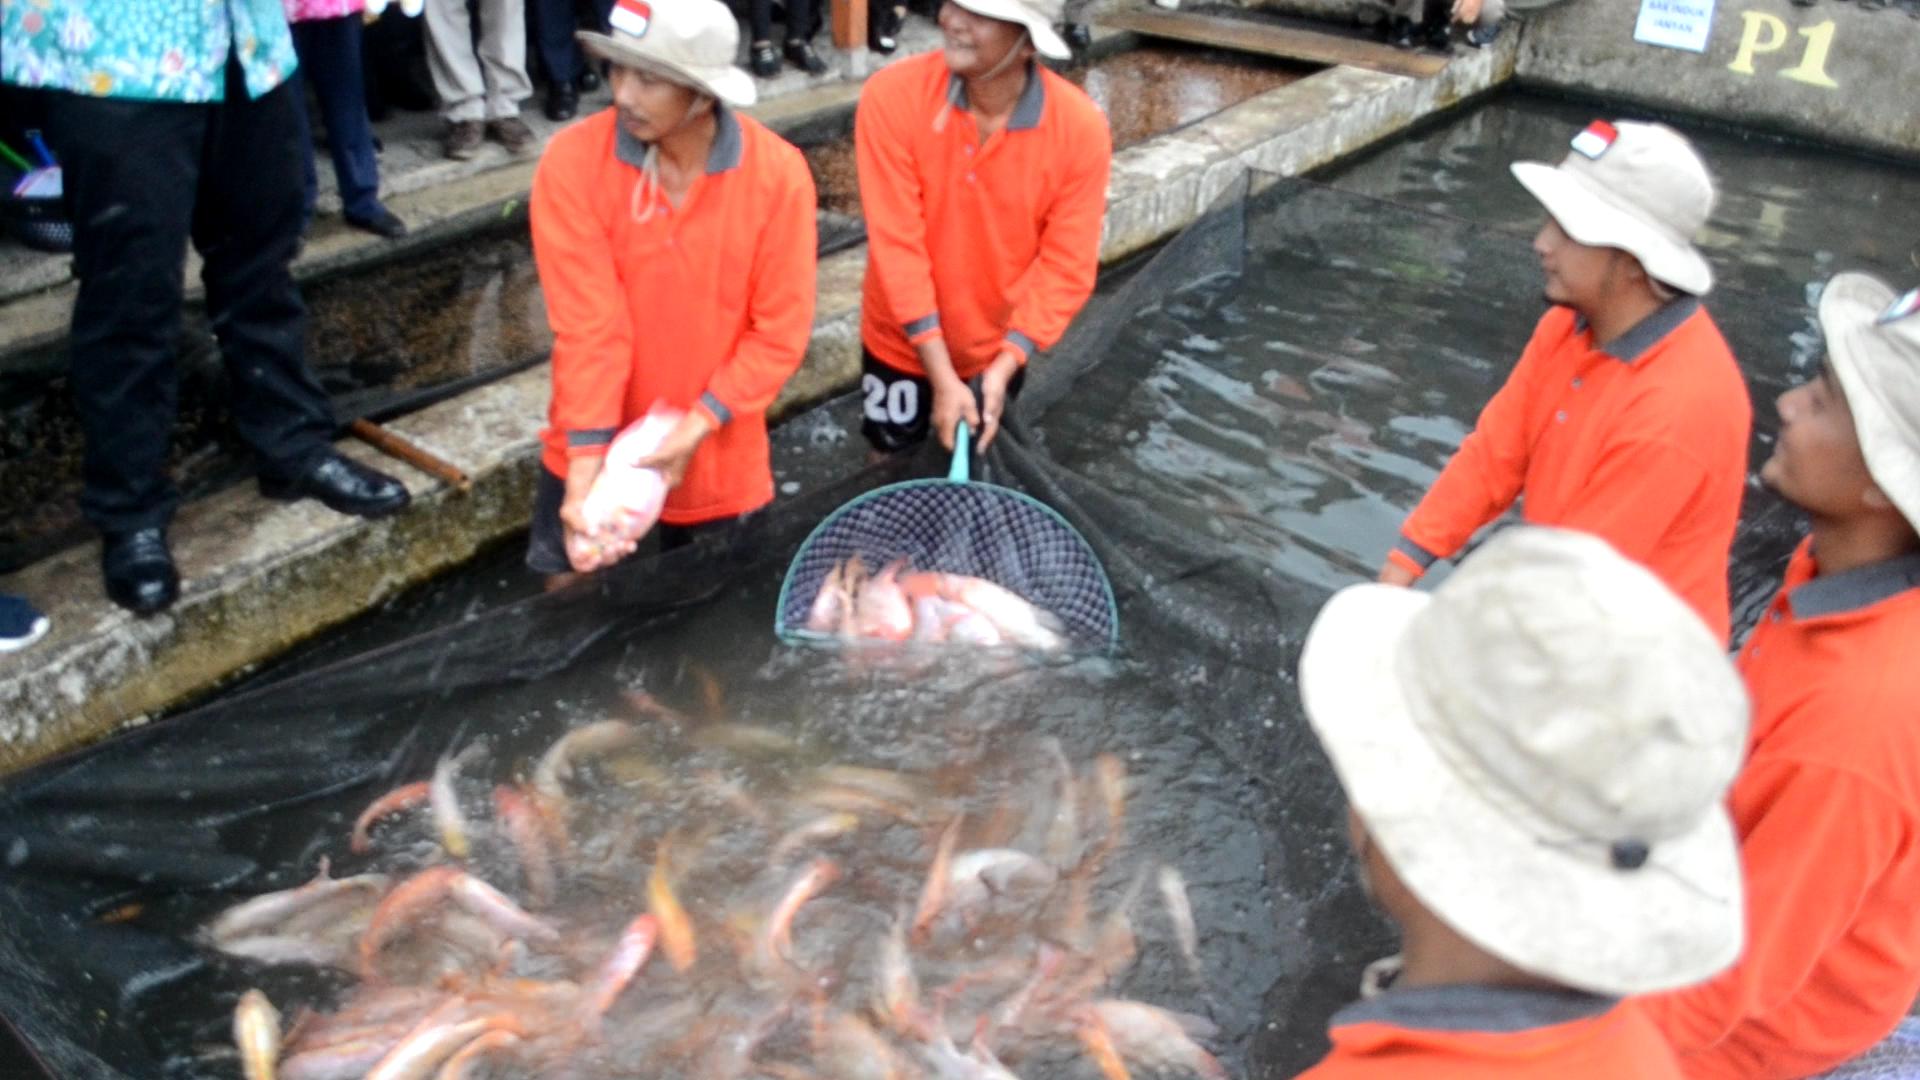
column 790, row 919
column 902, row 605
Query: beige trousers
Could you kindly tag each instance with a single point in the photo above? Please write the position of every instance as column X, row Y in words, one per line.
column 489, row 84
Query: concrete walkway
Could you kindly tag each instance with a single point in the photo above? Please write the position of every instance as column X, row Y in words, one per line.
column 260, row 576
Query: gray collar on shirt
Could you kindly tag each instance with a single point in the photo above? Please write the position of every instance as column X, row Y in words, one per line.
column 1649, row 331
column 724, row 156
column 1851, row 590
column 1026, row 112
column 1496, row 1009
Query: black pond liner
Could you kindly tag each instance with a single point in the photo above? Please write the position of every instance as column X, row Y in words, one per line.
column 113, row 854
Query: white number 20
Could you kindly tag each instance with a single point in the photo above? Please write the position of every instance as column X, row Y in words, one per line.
column 898, row 403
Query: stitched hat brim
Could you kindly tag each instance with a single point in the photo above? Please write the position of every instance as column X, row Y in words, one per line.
column 1555, row 909
column 1046, row 41
column 726, row 83
column 1590, row 217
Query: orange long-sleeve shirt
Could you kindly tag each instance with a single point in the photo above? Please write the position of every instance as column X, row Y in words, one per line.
column 992, row 245
column 1487, row 1033
column 1828, row 812
column 707, row 306
column 1641, row 441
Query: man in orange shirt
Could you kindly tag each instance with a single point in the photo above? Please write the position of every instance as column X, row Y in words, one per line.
column 983, row 177
column 1626, row 416
column 1828, row 803
column 1534, row 757
column 675, row 242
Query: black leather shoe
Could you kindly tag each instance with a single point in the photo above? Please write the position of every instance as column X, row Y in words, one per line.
column 139, row 570
column 341, row 484
column 1401, row 33
column 563, row 102
column 1078, row 36
column 762, row 60
column 801, row 55
column 381, row 222
column 883, row 29
column 587, row 81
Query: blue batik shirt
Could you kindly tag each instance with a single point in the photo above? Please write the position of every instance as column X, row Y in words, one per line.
column 153, row 50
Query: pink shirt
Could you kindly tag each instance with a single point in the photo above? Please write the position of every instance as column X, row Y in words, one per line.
column 308, row 10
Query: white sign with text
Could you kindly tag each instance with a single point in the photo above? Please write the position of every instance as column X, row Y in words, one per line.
column 1675, row 24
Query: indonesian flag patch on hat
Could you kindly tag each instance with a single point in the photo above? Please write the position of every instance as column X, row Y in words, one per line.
column 631, row 17
column 1595, row 140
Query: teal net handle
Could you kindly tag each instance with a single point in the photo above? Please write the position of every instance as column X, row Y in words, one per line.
column 958, row 471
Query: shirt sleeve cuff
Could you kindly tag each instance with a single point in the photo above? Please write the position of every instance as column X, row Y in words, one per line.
column 1411, row 556
column 716, row 409
column 924, row 328
column 589, row 442
column 1019, row 344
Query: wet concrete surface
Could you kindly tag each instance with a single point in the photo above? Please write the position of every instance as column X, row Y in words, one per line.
column 1144, row 92
column 371, row 338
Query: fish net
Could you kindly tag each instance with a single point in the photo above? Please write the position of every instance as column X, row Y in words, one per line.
column 954, row 527
column 117, row 855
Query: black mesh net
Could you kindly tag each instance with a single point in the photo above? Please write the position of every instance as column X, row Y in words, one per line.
column 1233, row 428
column 977, row 530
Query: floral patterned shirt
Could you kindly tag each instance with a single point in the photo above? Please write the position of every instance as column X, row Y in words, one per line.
column 154, row 50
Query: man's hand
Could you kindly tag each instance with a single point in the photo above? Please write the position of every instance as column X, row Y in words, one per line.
column 952, row 403
column 676, row 450
column 1392, row 573
column 586, row 551
column 993, row 393
column 1466, row 12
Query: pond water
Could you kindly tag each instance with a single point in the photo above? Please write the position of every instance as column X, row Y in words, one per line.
column 1289, row 416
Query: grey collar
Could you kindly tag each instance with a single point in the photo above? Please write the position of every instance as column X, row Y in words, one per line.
column 1026, row 112
column 1493, row 1009
column 1861, row 587
column 1649, row 331
column 725, row 155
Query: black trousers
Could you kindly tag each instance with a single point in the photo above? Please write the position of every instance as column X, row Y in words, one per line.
column 802, row 19
column 142, row 178
column 553, row 23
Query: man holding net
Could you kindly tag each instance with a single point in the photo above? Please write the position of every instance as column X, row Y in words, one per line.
column 1534, row 757
column 1626, row 416
column 983, row 177
column 675, row 241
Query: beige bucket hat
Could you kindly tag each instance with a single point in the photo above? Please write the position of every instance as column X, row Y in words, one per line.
column 692, row 42
column 1873, row 348
column 1641, row 188
column 1540, row 748
column 1038, row 16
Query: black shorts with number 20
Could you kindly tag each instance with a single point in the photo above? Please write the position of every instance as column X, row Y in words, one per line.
column 896, row 408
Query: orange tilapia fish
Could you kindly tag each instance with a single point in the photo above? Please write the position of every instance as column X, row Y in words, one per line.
column 256, row 1031
column 816, row 878
column 933, row 895
column 629, row 955
column 529, row 835
column 676, row 928
column 402, row 798
column 267, row 913
column 1157, row 1038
